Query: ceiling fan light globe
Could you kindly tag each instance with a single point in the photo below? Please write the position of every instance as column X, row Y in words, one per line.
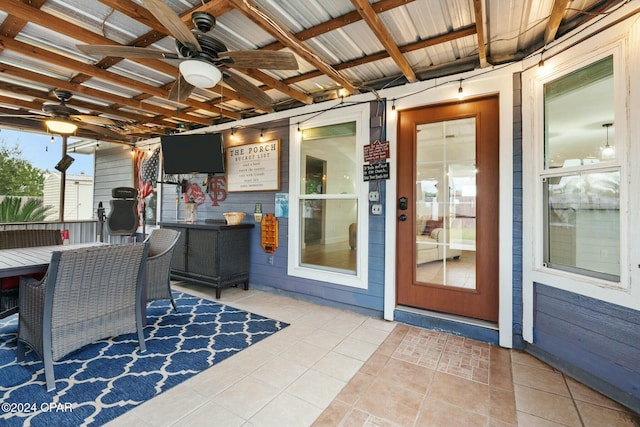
column 63, row 127
column 200, row 73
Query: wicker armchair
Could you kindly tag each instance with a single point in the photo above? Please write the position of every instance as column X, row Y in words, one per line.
column 21, row 238
column 86, row 295
column 162, row 243
column 26, row 238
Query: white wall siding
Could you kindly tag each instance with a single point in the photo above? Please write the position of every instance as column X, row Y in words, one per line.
column 114, row 168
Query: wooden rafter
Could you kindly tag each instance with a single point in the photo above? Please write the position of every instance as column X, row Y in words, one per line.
column 216, row 8
column 339, row 22
column 482, row 48
column 557, row 13
column 375, row 24
column 24, row 11
column 433, row 41
column 260, row 18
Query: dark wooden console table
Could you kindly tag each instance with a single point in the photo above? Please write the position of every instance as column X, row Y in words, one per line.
column 214, row 254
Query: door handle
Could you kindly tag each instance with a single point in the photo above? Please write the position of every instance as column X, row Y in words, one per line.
column 402, row 217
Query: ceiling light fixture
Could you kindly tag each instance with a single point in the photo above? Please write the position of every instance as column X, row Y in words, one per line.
column 61, row 126
column 608, row 152
column 200, row 73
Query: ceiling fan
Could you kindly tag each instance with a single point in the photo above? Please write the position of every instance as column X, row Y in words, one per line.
column 64, row 120
column 204, row 60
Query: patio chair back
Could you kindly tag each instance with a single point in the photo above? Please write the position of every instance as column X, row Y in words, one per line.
column 27, row 238
column 87, row 294
column 162, row 243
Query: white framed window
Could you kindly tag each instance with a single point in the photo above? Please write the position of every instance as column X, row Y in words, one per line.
column 574, row 171
column 328, row 212
column 581, row 176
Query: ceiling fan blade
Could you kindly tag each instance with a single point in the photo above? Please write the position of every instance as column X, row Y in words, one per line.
column 25, row 115
column 180, row 90
column 267, row 59
column 249, row 90
column 172, row 22
column 125, row 51
column 94, row 120
column 106, row 132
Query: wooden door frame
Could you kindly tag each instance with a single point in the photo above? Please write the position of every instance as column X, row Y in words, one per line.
column 505, row 84
column 483, row 302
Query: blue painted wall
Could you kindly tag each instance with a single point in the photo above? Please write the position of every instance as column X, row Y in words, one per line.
column 596, row 342
column 274, row 276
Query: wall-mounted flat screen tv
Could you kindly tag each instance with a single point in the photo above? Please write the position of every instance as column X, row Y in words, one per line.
column 192, row 153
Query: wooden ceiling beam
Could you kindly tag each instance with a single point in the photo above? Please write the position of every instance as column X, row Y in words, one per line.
column 278, row 85
column 432, row 41
column 23, row 74
column 25, row 107
column 339, row 22
column 42, row 97
column 269, row 24
column 24, row 11
column 555, row 19
column 34, row 125
column 81, row 67
column 216, row 8
column 12, row 25
column 482, row 48
column 375, row 24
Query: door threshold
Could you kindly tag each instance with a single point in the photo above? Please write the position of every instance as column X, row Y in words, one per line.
column 480, row 330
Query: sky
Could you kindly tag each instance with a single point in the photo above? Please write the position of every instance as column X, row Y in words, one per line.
column 38, row 150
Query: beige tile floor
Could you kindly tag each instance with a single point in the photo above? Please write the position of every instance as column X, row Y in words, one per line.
column 333, row 367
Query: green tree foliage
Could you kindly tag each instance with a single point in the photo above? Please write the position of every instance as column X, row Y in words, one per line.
column 17, row 176
column 13, row 209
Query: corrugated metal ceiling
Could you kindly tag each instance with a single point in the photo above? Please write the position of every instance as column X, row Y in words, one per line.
column 38, row 52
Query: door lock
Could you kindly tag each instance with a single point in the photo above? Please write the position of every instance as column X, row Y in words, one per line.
column 403, row 203
column 402, row 217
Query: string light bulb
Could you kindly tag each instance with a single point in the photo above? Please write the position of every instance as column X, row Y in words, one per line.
column 460, row 91
column 261, row 135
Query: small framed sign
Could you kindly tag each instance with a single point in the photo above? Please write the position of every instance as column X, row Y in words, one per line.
column 254, row 167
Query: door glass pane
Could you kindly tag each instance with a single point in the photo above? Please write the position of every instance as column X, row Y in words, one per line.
column 446, row 203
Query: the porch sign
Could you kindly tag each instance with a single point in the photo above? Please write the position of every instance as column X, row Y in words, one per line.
column 254, row 167
column 376, row 166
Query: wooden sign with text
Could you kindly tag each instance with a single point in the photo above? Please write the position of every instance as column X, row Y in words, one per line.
column 254, row 167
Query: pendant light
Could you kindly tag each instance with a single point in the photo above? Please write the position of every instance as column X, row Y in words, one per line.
column 608, row 152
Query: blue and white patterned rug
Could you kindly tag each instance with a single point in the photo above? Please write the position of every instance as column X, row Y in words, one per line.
column 104, row 380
